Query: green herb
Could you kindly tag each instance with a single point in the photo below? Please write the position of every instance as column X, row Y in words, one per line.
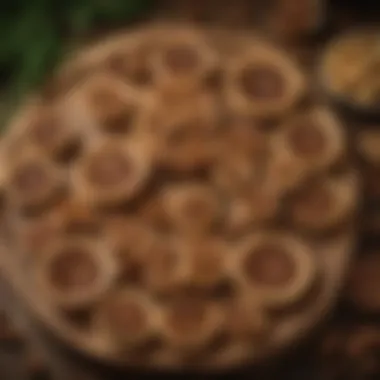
column 34, row 33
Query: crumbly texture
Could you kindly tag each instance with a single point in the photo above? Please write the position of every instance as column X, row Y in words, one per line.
column 167, row 194
column 349, row 69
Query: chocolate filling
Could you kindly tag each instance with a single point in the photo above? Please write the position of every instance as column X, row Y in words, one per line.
column 110, row 169
column 307, row 139
column 269, row 265
column 181, row 59
column 262, row 82
column 73, row 270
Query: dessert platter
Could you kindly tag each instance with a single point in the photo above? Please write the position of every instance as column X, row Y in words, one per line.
column 178, row 197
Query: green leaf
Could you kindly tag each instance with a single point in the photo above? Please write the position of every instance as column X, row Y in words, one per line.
column 22, row 28
column 119, row 10
column 37, row 57
column 80, row 17
column 32, row 32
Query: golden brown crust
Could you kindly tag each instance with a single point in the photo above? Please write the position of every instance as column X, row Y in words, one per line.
column 263, row 83
column 310, row 142
column 74, row 274
column 48, row 129
column 190, row 324
column 182, row 61
column 37, row 235
column 164, row 267
column 234, row 173
column 128, row 318
column 131, row 242
column 255, row 205
column 193, row 208
column 325, row 204
column 111, row 172
column 32, row 181
column 131, row 62
column 104, row 104
column 183, row 140
column 205, row 262
column 279, row 267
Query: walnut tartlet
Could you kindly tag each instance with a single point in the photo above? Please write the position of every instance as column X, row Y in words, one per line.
column 263, row 83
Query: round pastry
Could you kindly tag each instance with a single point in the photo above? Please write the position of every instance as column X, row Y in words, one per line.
column 323, row 206
column 350, row 69
column 309, row 142
column 128, row 317
column 74, row 273
column 279, row 268
column 263, row 83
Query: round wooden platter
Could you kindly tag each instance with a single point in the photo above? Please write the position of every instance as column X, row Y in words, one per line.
column 332, row 255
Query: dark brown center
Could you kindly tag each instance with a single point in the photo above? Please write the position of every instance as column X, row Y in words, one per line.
column 179, row 134
column 262, row 82
column 73, row 270
column 119, row 119
column 307, row 139
column 187, row 316
column 112, row 111
column 110, row 169
column 31, row 178
column 126, row 316
column 269, row 265
column 181, row 58
column 317, row 200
